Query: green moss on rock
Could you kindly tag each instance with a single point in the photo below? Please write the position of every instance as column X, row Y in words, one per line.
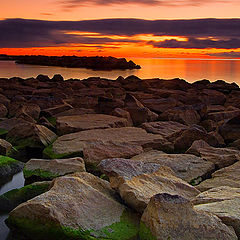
column 3, row 131
column 6, row 161
column 126, row 229
column 45, row 175
column 48, row 153
column 145, row 233
column 11, row 199
column 52, row 120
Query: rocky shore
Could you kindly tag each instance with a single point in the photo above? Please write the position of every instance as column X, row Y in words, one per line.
column 94, row 63
column 121, row 159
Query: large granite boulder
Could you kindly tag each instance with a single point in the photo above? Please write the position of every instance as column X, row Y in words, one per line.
column 138, row 112
column 221, row 157
column 74, row 143
column 49, row 169
column 224, row 202
column 137, row 181
column 228, row 176
column 70, row 124
column 173, row 217
column 79, row 206
column 187, row 167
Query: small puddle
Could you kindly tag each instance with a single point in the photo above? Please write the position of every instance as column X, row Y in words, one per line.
column 17, row 181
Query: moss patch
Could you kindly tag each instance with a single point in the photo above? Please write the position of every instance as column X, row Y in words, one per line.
column 13, row 198
column 126, row 229
column 52, row 120
column 48, row 153
column 196, row 181
column 145, row 233
column 46, row 175
column 6, row 161
column 3, row 131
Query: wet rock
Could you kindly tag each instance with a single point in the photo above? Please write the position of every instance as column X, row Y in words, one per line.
column 66, row 206
column 70, row 124
column 187, row 167
column 138, row 181
column 221, row 157
column 173, row 217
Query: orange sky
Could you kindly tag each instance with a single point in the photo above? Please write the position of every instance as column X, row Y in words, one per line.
column 56, row 10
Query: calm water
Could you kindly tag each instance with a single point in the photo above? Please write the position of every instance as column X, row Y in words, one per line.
column 188, row 69
column 17, row 181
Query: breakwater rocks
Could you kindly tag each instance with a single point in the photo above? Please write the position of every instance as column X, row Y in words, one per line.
column 95, row 63
column 124, row 159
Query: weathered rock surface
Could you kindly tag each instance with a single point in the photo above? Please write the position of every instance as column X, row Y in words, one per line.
column 173, row 217
column 221, row 157
column 3, row 110
column 81, row 203
column 49, row 169
column 187, row 167
column 137, row 181
column 5, row 147
column 70, row 124
column 224, row 202
column 228, row 176
column 76, row 142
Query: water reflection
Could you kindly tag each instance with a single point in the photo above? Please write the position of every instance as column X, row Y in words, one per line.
column 189, row 69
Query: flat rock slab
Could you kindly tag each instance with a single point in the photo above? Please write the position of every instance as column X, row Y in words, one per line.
column 76, row 142
column 70, row 124
column 165, row 129
column 173, row 217
column 224, row 202
column 79, row 203
column 221, row 157
column 49, row 169
column 187, row 167
column 137, row 181
column 228, row 176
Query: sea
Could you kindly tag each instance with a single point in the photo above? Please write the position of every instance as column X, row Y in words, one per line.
column 164, row 68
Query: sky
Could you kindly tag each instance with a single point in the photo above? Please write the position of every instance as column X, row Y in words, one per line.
column 121, row 28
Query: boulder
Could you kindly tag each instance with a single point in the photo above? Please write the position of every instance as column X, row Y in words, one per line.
column 138, row 112
column 70, row 124
column 74, row 111
column 79, row 206
column 138, row 181
column 187, row 167
column 5, row 147
column 118, row 112
column 224, row 202
column 50, row 112
column 173, row 217
column 228, row 176
column 74, row 143
column 224, row 115
column 9, row 166
column 49, row 169
column 3, row 110
column 221, row 157
column 230, row 130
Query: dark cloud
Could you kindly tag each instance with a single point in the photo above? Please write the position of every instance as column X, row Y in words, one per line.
column 198, row 43
column 231, row 54
column 39, row 33
column 177, row 3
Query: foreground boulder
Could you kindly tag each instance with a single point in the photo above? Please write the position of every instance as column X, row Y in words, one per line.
column 228, row 176
column 74, row 143
column 137, row 181
column 50, row 169
column 13, row 198
column 78, row 206
column 223, row 202
column 9, row 166
column 221, row 157
column 70, row 124
column 187, row 167
column 173, row 217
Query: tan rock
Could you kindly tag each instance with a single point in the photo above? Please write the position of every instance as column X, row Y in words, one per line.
column 81, row 203
column 5, row 147
column 173, row 217
column 70, row 124
column 187, row 167
column 228, row 176
column 221, row 157
column 137, row 181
